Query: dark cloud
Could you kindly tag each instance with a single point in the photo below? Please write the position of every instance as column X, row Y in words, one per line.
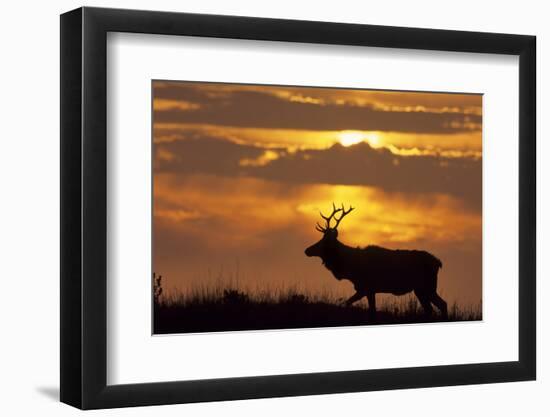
column 355, row 165
column 203, row 154
column 363, row 165
column 248, row 108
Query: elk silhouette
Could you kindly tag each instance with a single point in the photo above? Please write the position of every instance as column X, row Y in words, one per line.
column 374, row 269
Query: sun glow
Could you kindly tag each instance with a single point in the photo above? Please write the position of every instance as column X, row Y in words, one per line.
column 350, row 137
column 353, row 137
column 374, row 140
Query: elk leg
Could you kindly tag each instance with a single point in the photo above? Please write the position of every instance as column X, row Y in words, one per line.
column 440, row 304
column 426, row 304
column 355, row 297
column 372, row 304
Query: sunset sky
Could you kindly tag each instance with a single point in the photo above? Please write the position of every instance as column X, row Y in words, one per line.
column 242, row 171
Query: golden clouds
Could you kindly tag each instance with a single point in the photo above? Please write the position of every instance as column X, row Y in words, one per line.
column 248, row 209
column 394, row 218
column 466, row 144
column 386, row 100
column 233, row 212
column 160, row 104
column 321, row 109
column 262, row 160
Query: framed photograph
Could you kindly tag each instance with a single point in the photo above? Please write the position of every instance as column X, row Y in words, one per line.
column 257, row 208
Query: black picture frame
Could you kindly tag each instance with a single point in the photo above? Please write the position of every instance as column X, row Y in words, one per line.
column 84, row 207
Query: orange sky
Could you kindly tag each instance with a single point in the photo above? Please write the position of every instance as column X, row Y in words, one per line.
column 241, row 172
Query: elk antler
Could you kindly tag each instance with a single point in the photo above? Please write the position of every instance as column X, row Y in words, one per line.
column 344, row 213
column 335, row 210
column 327, row 219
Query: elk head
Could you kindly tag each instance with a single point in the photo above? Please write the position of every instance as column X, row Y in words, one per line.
column 329, row 241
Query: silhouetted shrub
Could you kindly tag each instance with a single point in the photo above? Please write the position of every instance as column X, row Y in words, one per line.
column 298, row 299
column 235, row 297
column 157, row 288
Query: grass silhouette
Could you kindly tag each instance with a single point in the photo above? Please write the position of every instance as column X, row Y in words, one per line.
column 226, row 308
